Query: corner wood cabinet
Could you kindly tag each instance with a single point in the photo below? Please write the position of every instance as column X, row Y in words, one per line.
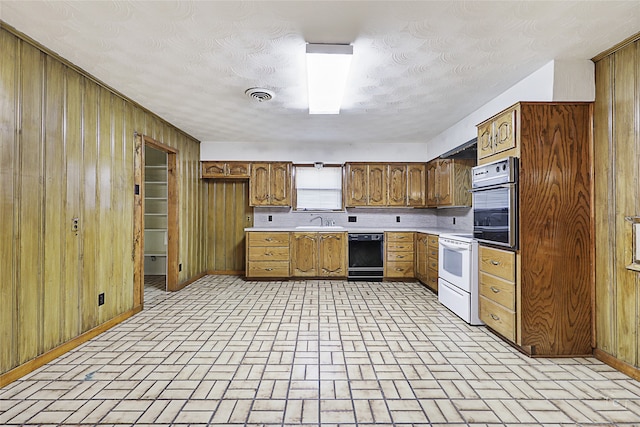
column 267, row 254
column 319, row 254
column 225, row 170
column 270, row 184
column 449, row 182
column 427, row 260
column 399, row 255
column 551, row 274
column 385, row 184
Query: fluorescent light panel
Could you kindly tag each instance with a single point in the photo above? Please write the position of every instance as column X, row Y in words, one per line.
column 327, row 71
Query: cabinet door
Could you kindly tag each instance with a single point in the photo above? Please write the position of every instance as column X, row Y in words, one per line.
column 485, row 139
column 259, row 185
column 504, row 136
column 377, row 185
column 432, row 183
column 304, row 255
column 213, row 169
column 280, row 184
column 397, row 177
column 237, row 170
column 444, row 183
column 422, row 255
column 333, row 254
column 416, row 184
column 356, row 185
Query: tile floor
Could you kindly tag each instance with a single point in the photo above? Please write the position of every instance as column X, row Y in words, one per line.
column 229, row 352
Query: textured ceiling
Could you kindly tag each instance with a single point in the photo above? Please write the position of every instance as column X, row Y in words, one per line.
column 418, row 67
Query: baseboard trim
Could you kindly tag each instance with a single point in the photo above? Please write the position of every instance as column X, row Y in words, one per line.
column 189, row 281
column 617, row 364
column 33, row 364
column 226, row 272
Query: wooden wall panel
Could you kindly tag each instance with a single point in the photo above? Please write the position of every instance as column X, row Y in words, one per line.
column 228, row 208
column 617, row 175
column 68, row 152
column 8, row 159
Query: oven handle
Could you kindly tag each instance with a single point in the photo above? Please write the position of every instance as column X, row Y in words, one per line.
column 493, row 187
column 454, row 247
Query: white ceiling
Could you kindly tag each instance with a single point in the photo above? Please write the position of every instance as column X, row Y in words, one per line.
column 418, row 67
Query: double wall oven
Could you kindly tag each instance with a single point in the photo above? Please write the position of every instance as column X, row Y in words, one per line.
column 495, row 202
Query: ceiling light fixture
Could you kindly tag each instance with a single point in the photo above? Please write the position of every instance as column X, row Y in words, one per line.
column 327, row 71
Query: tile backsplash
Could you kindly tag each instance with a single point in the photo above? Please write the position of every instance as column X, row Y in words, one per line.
column 370, row 217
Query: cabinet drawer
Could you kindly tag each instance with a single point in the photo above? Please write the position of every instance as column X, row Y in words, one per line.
column 400, row 246
column 268, row 253
column 400, row 269
column 498, row 318
column 498, row 290
column 268, row 269
column 268, row 239
column 433, row 240
column 400, row 256
column 498, row 262
column 433, row 264
column 433, row 253
column 399, row 237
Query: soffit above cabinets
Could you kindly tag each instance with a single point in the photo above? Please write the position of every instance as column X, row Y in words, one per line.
column 418, row 68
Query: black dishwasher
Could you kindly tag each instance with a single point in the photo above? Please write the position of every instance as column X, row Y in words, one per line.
column 366, row 252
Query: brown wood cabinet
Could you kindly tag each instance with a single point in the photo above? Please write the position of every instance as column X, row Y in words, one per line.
column 448, row 182
column 497, row 137
column 270, row 184
column 319, row 254
column 385, row 184
column 216, row 169
column 267, row 254
column 426, row 269
column 553, row 275
column 399, row 255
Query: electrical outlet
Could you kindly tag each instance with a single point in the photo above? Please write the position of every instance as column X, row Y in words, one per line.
column 454, row 220
column 180, row 267
column 270, row 218
column 101, row 299
column 397, row 219
column 352, row 219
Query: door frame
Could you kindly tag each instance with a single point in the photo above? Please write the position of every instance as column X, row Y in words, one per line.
column 173, row 230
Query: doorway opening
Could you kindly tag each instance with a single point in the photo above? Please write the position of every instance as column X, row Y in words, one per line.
column 156, row 219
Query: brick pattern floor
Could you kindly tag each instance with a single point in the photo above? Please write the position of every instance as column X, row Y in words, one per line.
column 228, row 352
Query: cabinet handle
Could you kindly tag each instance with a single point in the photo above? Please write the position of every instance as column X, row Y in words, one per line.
column 271, row 269
column 494, row 289
column 268, row 239
column 400, row 256
column 494, row 317
column 494, row 262
column 269, row 254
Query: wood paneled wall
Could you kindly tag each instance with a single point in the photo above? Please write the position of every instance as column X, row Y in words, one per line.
column 229, row 213
column 66, row 153
column 617, row 194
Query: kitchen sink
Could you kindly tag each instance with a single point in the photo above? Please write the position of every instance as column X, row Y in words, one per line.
column 319, row 227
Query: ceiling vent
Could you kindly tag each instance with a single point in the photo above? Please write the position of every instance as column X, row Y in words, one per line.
column 259, row 94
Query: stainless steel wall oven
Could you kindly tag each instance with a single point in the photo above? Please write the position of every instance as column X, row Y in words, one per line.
column 495, row 202
column 366, row 252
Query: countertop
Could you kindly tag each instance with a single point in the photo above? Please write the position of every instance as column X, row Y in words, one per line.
column 350, row 229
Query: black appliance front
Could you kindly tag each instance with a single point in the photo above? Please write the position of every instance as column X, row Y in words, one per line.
column 366, row 251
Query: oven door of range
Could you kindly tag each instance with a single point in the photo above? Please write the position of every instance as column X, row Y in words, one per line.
column 454, row 263
column 495, row 218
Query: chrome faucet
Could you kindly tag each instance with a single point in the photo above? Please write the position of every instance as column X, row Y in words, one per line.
column 316, row 217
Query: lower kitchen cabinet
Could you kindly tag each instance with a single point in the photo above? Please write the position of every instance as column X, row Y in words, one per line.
column 399, row 255
column 319, row 254
column 267, row 254
column 497, row 282
column 427, row 260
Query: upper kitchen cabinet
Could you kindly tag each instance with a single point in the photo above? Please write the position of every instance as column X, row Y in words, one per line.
column 416, row 184
column 385, row 184
column 497, row 136
column 270, row 184
column 215, row 169
column 449, row 182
